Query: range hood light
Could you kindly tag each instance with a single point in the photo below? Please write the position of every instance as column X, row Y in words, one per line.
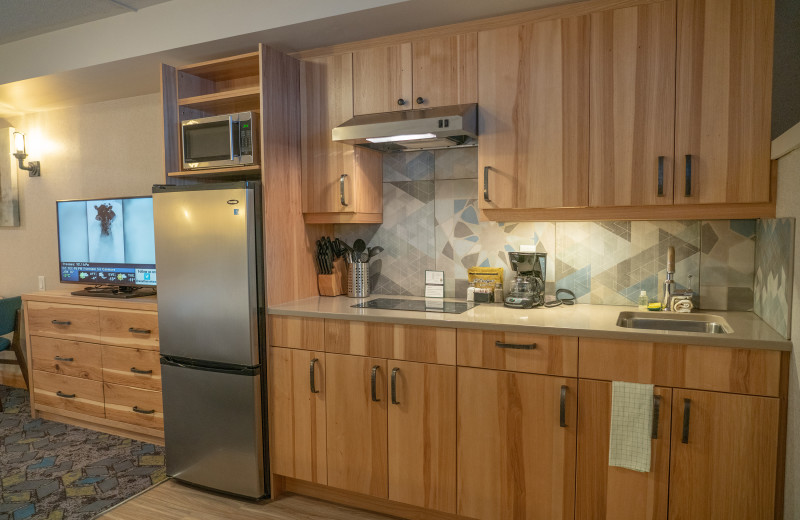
column 396, row 138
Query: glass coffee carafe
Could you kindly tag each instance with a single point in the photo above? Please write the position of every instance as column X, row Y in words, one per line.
column 527, row 287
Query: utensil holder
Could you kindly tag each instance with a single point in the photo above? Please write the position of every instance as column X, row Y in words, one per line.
column 358, row 280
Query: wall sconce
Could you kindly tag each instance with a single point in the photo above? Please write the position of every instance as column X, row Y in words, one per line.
column 33, row 168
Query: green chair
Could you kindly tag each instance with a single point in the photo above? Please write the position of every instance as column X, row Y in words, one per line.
column 10, row 321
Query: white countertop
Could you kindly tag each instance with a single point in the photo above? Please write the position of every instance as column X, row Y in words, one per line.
column 594, row 321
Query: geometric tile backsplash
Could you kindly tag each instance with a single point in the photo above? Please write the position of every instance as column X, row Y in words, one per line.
column 430, row 221
column 774, row 266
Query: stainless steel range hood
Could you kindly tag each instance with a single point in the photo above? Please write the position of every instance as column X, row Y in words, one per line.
column 406, row 130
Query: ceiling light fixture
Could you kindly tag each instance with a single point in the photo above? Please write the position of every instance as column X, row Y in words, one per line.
column 33, row 167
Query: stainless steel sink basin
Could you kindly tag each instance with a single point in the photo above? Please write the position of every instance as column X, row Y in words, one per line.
column 705, row 323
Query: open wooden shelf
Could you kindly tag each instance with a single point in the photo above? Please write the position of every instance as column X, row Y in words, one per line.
column 221, row 85
column 225, row 69
column 219, row 172
column 237, row 100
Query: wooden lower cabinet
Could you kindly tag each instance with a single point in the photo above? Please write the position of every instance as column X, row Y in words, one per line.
column 724, row 456
column 298, row 414
column 422, row 435
column 516, row 445
column 604, row 492
column 356, row 424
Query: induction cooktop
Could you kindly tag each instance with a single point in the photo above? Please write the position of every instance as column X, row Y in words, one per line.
column 416, row 305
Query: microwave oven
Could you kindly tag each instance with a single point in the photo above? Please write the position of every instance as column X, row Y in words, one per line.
column 219, row 141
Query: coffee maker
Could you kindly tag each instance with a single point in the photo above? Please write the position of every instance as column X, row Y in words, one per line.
column 527, row 288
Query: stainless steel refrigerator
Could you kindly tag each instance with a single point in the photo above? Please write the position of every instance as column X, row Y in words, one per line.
column 209, row 265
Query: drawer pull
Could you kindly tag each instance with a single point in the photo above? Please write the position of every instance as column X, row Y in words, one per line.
column 65, row 396
column 146, row 412
column 656, row 413
column 516, row 346
column 687, row 408
column 57, row 322
column 395, row 370
column 374, row 383
column 311, row 376
column 59, row 358
column 562, row 414
column 137, row 371
column 139, row 331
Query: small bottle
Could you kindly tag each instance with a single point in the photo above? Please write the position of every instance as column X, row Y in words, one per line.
column 643, row 301
column 498, row 293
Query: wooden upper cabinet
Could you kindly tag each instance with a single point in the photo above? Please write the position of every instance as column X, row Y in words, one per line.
column 632, row 105
column 382, row 79
column 723, row 458
column 340, row 183
column 533, row 102
column 445, row 71
column 724, row 93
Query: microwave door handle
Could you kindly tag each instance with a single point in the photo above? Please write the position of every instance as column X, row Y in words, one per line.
column 230, row 136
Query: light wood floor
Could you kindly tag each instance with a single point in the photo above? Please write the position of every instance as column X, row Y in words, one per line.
column 175, row 501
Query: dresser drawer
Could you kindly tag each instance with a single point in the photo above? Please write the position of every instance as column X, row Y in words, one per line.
column 129, row 328
column 134, row 406
column 135, row 367
column 391, row 341
column 63, row 321
column 67, row 357
column 518, row 352
column 68, row 393
column 297, row 332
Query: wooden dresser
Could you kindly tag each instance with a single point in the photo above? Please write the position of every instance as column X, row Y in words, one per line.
column 94, row 362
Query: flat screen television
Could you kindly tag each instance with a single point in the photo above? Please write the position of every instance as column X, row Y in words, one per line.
column 107, row 245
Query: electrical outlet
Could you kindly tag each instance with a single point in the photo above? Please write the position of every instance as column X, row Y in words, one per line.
column 41, row 283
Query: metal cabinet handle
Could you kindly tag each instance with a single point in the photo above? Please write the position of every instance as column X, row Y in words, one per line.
column 374, row 383
column 486, row 183
column 401, row 101
column 137, row 371
column 656, row 414
column 341, row 189
column 562, row 419
column 56, row 322
column 687, row 408
column 420, row 100
column 146, row 412
column 59, row 358
column 394, row 385
column 688, row 190
column 65, row 396
column 311, row 376
column 139, row 331
column 516, row 346
column 660, row 175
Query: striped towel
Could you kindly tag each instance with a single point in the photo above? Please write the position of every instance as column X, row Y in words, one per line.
column 631, row 426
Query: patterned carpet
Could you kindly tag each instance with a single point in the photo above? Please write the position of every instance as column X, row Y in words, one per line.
column 53, row 471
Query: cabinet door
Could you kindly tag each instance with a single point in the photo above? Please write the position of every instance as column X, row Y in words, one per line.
column 724, row 455
column 298, row 414
column 422, row 435
column 533, row 99
column 445, row 71
column 515, row 459
column 357, row 401
column 605, row 492
column 632, row 105
column 724, row 88
column 382, row 79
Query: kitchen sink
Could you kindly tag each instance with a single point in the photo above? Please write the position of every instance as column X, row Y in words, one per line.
column 704, row 323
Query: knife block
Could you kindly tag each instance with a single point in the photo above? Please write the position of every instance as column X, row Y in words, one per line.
column 336, row 283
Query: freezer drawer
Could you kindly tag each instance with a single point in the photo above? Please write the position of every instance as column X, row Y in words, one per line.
column 213, row 429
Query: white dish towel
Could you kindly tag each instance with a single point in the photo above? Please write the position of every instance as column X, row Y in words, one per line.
column 631, row 426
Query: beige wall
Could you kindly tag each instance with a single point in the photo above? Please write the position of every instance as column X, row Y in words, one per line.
column 789, row 206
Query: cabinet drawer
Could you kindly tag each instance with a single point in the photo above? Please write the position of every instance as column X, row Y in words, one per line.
column 519, row 352
column 129, row 328
column 68, row 393
column 68, row 321
column 736, row 370
column 297, row 332
column 387, row 340
column 135, row 367
column 134, row 406
column 66, row 357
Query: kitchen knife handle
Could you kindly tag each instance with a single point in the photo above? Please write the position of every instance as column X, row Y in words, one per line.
column 56, row 322
column 687, row 404
column 395, row 370
column 656, row 414
column 59, row 358
column 660, row 175
column 144, row 372
column 65, row 396
column 146, row 412
column 486, row 183
column 133, row 330
column 341, row 189
column 688, row 190
column 562, row 416
column 374, row 383
column 311, row 376
column 515, row 346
